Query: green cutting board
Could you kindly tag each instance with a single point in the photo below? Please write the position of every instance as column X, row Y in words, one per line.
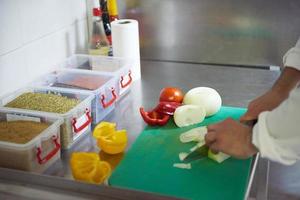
column 148, row 165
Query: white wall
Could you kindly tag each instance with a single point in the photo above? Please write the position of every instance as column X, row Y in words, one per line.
column 36, row 34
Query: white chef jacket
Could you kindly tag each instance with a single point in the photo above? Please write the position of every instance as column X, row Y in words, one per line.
column 277, row 132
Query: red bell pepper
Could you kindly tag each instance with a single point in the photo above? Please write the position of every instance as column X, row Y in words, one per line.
column 166, row 107
column 154, row 118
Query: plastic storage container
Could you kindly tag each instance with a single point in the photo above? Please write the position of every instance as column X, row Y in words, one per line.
column 77, row 121
column 119, row 67
column 37, row 154
column 102, row 85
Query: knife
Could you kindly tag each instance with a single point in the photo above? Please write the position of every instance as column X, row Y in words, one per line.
column 198, row 153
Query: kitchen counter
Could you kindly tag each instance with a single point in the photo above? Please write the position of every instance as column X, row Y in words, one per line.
column 237, row 86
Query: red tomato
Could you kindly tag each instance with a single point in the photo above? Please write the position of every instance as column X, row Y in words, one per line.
column 171, row 94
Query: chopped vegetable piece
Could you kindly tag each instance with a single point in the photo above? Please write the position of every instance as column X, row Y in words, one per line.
column 154, row 118
column 200, row 144
column 183, row 165
column 188, row 115
column 112, row 159
column 219, row 157
column 115, row 143
column 195, row 134
column 166, row 107
column 182, row 156
column 104, row 129
column 110, row 140
column 87, row 166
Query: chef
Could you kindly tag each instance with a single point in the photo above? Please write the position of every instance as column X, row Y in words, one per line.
column 276, row 135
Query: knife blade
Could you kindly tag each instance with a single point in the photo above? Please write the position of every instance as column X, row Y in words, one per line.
column 197, row 154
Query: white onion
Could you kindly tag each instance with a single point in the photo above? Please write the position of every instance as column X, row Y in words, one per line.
column 188, row 115
column 195, row 134
column 207, row 97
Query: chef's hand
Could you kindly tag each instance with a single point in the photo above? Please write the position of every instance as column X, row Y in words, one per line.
column 266, row 102
column 232, row 138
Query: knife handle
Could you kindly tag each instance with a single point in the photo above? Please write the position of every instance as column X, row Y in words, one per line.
column 250, row 122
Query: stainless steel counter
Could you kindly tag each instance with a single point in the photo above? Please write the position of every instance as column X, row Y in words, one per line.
column 237, row 87
column 204, row 31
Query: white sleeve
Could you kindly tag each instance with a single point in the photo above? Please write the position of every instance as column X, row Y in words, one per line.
column 292, row 57
column 277, row 133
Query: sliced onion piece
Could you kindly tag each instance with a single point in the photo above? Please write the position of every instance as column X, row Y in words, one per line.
column 183, row 165
column 195, row 134
column 188, row 115
column 182, row 156
column 200, row 144
column 218, row 157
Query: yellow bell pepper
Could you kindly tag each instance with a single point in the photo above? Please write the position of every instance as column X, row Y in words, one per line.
column 113, row 160
column 104, row 129
column 108, row 139
column 87, row 166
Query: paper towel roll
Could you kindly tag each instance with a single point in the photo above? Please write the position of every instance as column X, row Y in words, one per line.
column 125, row 43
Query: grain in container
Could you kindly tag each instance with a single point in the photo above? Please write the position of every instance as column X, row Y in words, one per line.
column 28, row 141
column 73, row 107
column 101, row 85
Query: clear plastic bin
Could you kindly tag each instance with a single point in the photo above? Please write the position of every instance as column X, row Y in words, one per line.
column 77, row 121
column 102, row 85
column 37, row 154
column 121, row 68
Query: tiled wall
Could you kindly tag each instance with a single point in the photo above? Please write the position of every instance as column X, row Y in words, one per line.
column 36, row 34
